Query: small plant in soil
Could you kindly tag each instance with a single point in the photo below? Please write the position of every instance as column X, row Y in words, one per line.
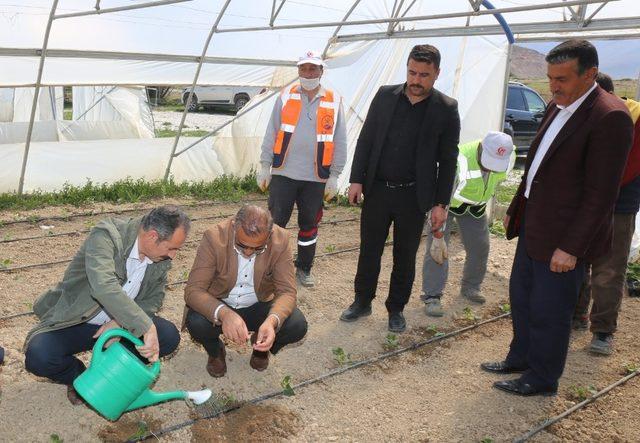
column 581, row 393
column 141, row 431
column 505, row 307
column 4, row 263
column 487, row 440
column 55, row 438
column 224, row 401
column 391, row 342
column 469, row 315
column 340, row 356
column 185, row 274
column 330, row 248
column 433, row 329
column 630, row 368
column 286, row 386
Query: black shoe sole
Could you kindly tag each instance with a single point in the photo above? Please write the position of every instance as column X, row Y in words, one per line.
column 398, row 330
column 503, row 371
column 352, row 319
column 532, row 394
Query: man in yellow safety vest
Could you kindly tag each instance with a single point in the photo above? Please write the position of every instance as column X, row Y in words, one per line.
column 482, row 165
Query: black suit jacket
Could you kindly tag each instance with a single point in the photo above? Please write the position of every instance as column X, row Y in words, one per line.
column 570, row 204
column 437, row 152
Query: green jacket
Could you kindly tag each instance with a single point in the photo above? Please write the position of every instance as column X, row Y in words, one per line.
column 93, row 281
column 471, row 188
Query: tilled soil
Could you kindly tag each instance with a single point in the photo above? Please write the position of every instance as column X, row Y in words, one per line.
column 435, row 393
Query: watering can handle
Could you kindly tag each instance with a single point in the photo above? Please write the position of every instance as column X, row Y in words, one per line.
column 118, row 332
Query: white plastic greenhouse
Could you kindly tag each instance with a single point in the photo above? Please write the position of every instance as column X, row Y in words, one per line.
column 47, row 44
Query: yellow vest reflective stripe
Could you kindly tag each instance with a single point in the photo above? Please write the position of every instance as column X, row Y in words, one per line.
column 325, row 128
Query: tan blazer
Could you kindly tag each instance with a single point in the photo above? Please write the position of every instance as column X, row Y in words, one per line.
column 215, row 271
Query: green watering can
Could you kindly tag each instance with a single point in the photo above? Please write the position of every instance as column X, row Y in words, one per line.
column 117, row 381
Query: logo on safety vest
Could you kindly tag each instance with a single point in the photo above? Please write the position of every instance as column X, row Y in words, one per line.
column 501, row 151
column 327, row 123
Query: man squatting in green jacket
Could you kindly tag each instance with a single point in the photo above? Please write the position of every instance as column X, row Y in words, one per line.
column 482, row 165
column 116, row 279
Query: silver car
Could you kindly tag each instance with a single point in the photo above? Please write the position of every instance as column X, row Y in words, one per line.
column 230, row 97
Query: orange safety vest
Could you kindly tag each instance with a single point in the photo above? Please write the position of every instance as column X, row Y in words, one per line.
column 325, row 127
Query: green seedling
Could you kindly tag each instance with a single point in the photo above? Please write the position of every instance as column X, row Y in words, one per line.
column 505, row 307
column 487, row 440
column 55, row 438
column 330, row 248
column 4, row 263
column 497, row 229
column 286, row 386
column 89, row 224
column 468, row 314
column 340, row 356
column 141, row 431
column 33, row 219
column 581, row 393
column 433, row 329
column 438, row 334
column 223, row 401
column 185, row 274
column 6, row 237
column 630, row 368
column 391, row 342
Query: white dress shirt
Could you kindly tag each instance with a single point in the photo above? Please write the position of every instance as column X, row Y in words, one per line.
column 552, row 132
column 136, row 269
column 243, row 293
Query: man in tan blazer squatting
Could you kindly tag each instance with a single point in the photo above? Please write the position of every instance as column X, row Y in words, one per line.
column 243, row 279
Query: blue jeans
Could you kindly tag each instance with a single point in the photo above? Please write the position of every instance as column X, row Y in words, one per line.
column 51, row 354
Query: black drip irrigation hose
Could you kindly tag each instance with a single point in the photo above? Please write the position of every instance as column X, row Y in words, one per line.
column 121, row 211
column 182, row 282
column 84, row 231
column 550, row 421
column 325, row 376
column 67, row 260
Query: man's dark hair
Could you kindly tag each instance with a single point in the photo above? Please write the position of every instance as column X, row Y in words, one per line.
column 425, row 54
column 165, row 220
column 605, row 82
column 581, row 50
column 254, row 220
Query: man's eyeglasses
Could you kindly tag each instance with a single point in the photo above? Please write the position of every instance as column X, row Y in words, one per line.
column 256, row 249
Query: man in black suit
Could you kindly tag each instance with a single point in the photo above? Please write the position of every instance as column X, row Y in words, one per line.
column 404, row 164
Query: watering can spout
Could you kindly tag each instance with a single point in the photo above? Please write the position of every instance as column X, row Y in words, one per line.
column 149, row 397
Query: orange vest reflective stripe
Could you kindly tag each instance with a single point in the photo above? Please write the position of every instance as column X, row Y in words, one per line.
column 325, row 127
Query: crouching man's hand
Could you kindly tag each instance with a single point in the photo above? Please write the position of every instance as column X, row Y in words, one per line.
column 266, row 334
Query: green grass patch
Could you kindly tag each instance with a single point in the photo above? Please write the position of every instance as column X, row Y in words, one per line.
column 505, row 192
column 497, row 229
column 633, row 271
column 130, row 191
column 164, row 132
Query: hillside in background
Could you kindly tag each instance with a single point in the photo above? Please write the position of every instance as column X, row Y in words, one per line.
column 527, row 63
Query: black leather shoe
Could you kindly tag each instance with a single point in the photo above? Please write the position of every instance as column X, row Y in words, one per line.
column 500, row 367
column 397, row 323
column 518, row 387
column 355, row 311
